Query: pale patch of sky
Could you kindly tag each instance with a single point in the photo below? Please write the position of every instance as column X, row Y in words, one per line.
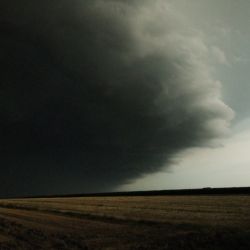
column 225, row 166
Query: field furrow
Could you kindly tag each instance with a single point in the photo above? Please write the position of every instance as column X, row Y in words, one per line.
column 194, row 222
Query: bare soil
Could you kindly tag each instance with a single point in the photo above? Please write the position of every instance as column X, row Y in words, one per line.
column 150, row 222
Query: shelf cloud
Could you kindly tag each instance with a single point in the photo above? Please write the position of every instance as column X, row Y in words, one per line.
column 97, row 93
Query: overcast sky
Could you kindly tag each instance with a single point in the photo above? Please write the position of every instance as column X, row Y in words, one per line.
column 103, row 95
column 225, row 28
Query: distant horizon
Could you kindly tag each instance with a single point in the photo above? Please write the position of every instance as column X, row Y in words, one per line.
column 188, row 191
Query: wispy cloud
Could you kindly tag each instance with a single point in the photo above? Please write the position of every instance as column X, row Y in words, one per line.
column 219, row 55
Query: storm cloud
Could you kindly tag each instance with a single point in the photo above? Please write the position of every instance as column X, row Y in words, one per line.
column 96, row 93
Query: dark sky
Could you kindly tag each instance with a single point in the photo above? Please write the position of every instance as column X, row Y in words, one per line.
column 96, row 93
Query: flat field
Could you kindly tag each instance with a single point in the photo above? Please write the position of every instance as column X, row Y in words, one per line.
column 125, row 222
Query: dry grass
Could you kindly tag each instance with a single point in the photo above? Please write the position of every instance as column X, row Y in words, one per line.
column 157, row 222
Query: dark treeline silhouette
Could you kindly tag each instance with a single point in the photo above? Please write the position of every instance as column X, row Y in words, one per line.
column 202, row 191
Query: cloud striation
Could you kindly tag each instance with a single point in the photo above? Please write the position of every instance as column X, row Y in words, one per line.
column 96, row 93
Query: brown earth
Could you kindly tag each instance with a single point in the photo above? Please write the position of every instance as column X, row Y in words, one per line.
column 150, row 222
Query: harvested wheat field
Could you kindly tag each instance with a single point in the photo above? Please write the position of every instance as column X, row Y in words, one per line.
column 147, row 222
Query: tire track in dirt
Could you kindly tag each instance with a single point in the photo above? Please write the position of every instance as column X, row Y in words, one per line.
column 51, row 227
column 27, row 231
column 112, row 219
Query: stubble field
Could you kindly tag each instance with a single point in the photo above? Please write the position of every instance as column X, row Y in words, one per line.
column 146, row 222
